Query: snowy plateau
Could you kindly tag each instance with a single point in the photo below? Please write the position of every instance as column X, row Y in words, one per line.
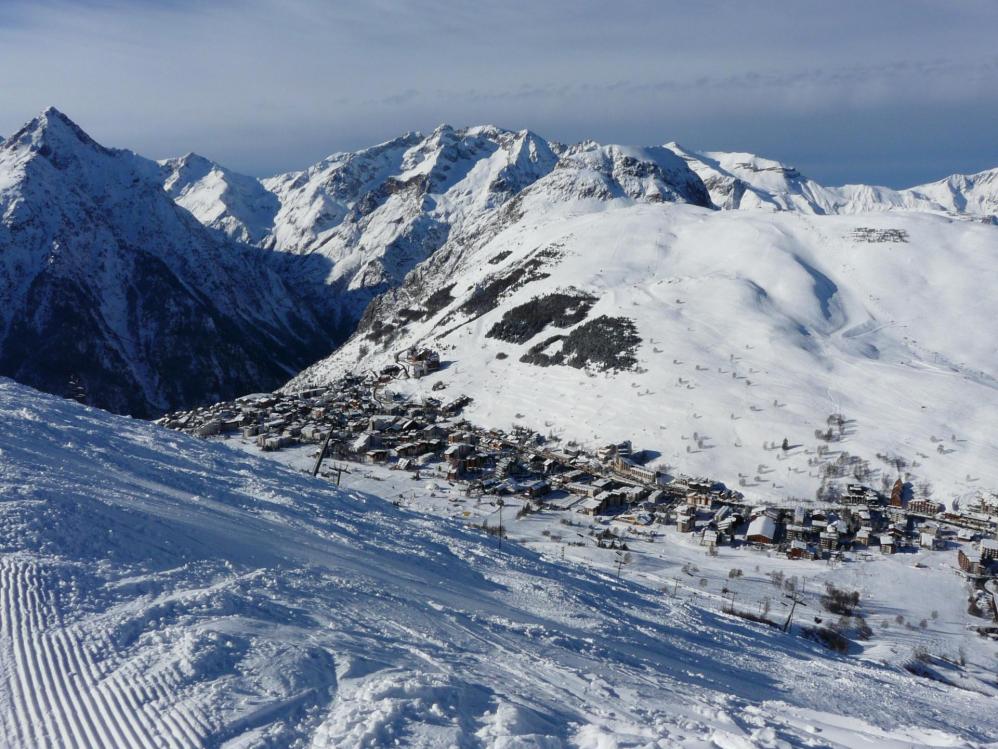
column 724, row 313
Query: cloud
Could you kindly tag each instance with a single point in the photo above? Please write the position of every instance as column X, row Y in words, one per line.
column 267, row 86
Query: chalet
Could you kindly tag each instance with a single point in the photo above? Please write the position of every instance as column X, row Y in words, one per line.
column 564, row 503
column 700, row 499
column 209, row 428
column 829, row 539
column 797, row 532
column 314, row 433
column 456, row 405
column 409, row 449
column 573, row 475
column 862, row 536
column 381, row 422
column 761, row 530
column 897, row 494
column 630, row 470
column 857, row 494
column 583, row 490
column 704, row 486
column 365, row 442
column 709, row 538
column 924, row 507
column 410, row 425
column 460, row 450
column 988, row 550
column 597, row 505
column 928, row 537
column 474, row 461
column 274, row 424
column 550, row 465
column 887, row 544
column 231, row 424
column 800, row 550
column 970, row 561
column 534, row 489
column 433, row 432
column 604, row 484
column 686, row 523
column 727, row 525
column 422, row 361
column 376, row 456
column 633, row 494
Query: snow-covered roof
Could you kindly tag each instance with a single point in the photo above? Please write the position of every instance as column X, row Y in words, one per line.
column 763, row 526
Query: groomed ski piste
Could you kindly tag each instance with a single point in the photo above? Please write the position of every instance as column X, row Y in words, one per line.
column 158, row 590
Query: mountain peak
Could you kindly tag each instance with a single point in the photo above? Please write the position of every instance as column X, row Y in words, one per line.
column 52, row 131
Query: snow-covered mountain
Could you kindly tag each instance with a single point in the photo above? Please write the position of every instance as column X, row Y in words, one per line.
column 708, row 336
column 112, row 292
column 747, row 181
column 377, row 213
column 162, row 591
column 274, row 273
column 238, row 206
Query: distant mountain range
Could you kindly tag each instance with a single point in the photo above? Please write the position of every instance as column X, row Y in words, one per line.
column 140, row 286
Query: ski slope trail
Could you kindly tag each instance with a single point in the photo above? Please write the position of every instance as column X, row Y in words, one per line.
column 162, row 591
column 62, row 693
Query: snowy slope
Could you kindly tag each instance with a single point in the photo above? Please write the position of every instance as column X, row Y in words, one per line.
column 157, row 590
column 112, row 292
column 753, row 326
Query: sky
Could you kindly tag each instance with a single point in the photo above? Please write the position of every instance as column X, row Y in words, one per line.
column 892, row 92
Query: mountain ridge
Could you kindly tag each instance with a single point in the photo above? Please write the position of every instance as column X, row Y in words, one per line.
column 114, row 293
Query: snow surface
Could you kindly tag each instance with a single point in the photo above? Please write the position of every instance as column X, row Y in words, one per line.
column 158, row 590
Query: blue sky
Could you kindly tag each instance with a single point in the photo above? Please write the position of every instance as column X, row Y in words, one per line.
column 891, row 92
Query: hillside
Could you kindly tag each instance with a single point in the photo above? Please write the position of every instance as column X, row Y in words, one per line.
column 114, row 294
column 708, row 337
column 157, row 590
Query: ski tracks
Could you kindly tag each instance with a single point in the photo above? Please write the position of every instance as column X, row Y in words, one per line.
column 58, row 692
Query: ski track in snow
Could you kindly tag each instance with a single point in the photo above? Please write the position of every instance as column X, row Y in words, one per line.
column 61, row 694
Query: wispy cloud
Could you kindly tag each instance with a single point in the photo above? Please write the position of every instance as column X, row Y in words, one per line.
column 267, row 85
